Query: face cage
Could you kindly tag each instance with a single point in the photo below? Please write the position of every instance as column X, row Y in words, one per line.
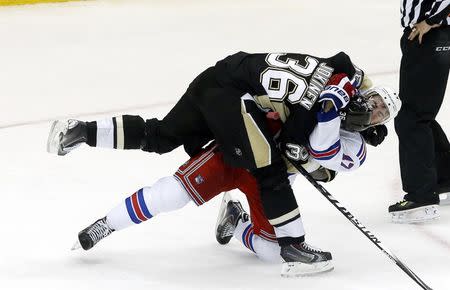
column 357, row 115
column 371, row 102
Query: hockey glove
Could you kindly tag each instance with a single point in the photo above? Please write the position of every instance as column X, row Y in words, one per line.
column 375, row 135
column 323, row 174
column 339, row 90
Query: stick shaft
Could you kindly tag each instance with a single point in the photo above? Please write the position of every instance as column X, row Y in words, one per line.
column 361, row 227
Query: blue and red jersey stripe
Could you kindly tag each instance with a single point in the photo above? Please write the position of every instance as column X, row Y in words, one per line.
column 326, row 154
column 362, row 153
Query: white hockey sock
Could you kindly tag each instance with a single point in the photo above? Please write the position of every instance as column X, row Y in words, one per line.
column 105, row 132
column 164, row 196
column 293, row 228
column 265, row 250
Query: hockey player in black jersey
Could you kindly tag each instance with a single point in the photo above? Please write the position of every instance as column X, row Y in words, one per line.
column 229, row 103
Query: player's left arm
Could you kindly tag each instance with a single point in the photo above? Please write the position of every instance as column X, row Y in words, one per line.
column 333, row 148
column 330, row 146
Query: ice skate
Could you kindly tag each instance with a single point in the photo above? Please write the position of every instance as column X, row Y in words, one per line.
column 405, row 212
column 445, row 198
column 91, row 235
column 304, row 260
column 230, row 213
column 65, row 136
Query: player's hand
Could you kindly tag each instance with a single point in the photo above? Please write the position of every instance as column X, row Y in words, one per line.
column 323, row 174
column 338, row 91
column 375, row 135
column 420, row 29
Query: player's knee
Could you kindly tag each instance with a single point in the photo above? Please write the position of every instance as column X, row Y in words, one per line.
column 165, row 195
column 156, row 141
column 133, row 131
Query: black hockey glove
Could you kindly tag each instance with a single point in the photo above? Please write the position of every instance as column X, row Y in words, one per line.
column 375, row 135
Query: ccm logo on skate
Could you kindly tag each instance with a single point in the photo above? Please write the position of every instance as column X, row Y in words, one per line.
column 443, row 48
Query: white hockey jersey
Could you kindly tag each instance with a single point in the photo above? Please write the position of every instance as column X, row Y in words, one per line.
column 334, row 148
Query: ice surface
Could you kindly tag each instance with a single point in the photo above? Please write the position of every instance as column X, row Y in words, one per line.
column 98, row 58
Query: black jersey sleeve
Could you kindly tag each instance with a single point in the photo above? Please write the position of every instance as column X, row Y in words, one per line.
column 342, row 63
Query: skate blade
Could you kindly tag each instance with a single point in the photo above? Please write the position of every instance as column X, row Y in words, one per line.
column 417, row 215
column 223, row 206
column 297, row 269
column 54, row 137
column 76, row 246
column 445, row 199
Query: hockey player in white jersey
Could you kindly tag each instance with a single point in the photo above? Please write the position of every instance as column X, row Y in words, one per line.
column 334, row 144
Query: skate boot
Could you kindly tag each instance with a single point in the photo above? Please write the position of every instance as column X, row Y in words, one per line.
column 91, row 235
column 443, row 182
column 65, row 136
column 230, row 213
column 405, row 212
column 304, row 260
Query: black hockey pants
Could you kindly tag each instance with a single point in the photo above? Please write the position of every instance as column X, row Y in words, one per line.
column 424, row 73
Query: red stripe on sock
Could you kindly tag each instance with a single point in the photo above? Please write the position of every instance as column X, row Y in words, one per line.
column 136, row 207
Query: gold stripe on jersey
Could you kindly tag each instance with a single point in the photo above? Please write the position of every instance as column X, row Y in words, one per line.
column 285, row 217
column 260, row 146
column 265, row 103
column 120, row 133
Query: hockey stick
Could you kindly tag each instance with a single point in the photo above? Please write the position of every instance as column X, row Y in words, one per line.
column 362, row 228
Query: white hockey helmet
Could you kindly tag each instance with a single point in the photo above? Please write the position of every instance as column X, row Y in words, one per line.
column 377, row 103
column 390, row 99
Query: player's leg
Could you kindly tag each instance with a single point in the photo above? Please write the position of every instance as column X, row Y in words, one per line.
column 258, row 235
column 442, row 161
column 233, row 221
column 299, row 259
column 164, row 195
column 183, row 125
column 200, row 179
column 423, row 76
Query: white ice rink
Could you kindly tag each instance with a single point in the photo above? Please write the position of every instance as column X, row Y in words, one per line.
column 99, row 58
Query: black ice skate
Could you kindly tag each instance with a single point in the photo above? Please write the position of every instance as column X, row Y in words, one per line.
column 303, row 260
column 230, row 213
column 91, row 235
column 65, row 136
column 414, row 212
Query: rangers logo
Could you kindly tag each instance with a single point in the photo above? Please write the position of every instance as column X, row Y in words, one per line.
column 347, row 162
column 199, row 179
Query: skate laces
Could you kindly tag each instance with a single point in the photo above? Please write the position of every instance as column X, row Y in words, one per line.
column 228, row 229
column 231, row 220
column 98, row 231
column 311, row 248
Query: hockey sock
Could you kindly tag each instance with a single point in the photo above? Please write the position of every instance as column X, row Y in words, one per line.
column 164, row 196
column 122, row 132
column 286, row 232
column 265, row 250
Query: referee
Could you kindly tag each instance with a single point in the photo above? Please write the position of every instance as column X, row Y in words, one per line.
column 424, row 149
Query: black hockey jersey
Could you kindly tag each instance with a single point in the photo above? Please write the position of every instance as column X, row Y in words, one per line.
column 286, row 83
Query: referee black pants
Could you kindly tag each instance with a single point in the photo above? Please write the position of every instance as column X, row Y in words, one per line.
column 423, row 146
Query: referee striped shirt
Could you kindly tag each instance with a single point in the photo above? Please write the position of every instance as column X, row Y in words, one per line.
column 433, row 11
